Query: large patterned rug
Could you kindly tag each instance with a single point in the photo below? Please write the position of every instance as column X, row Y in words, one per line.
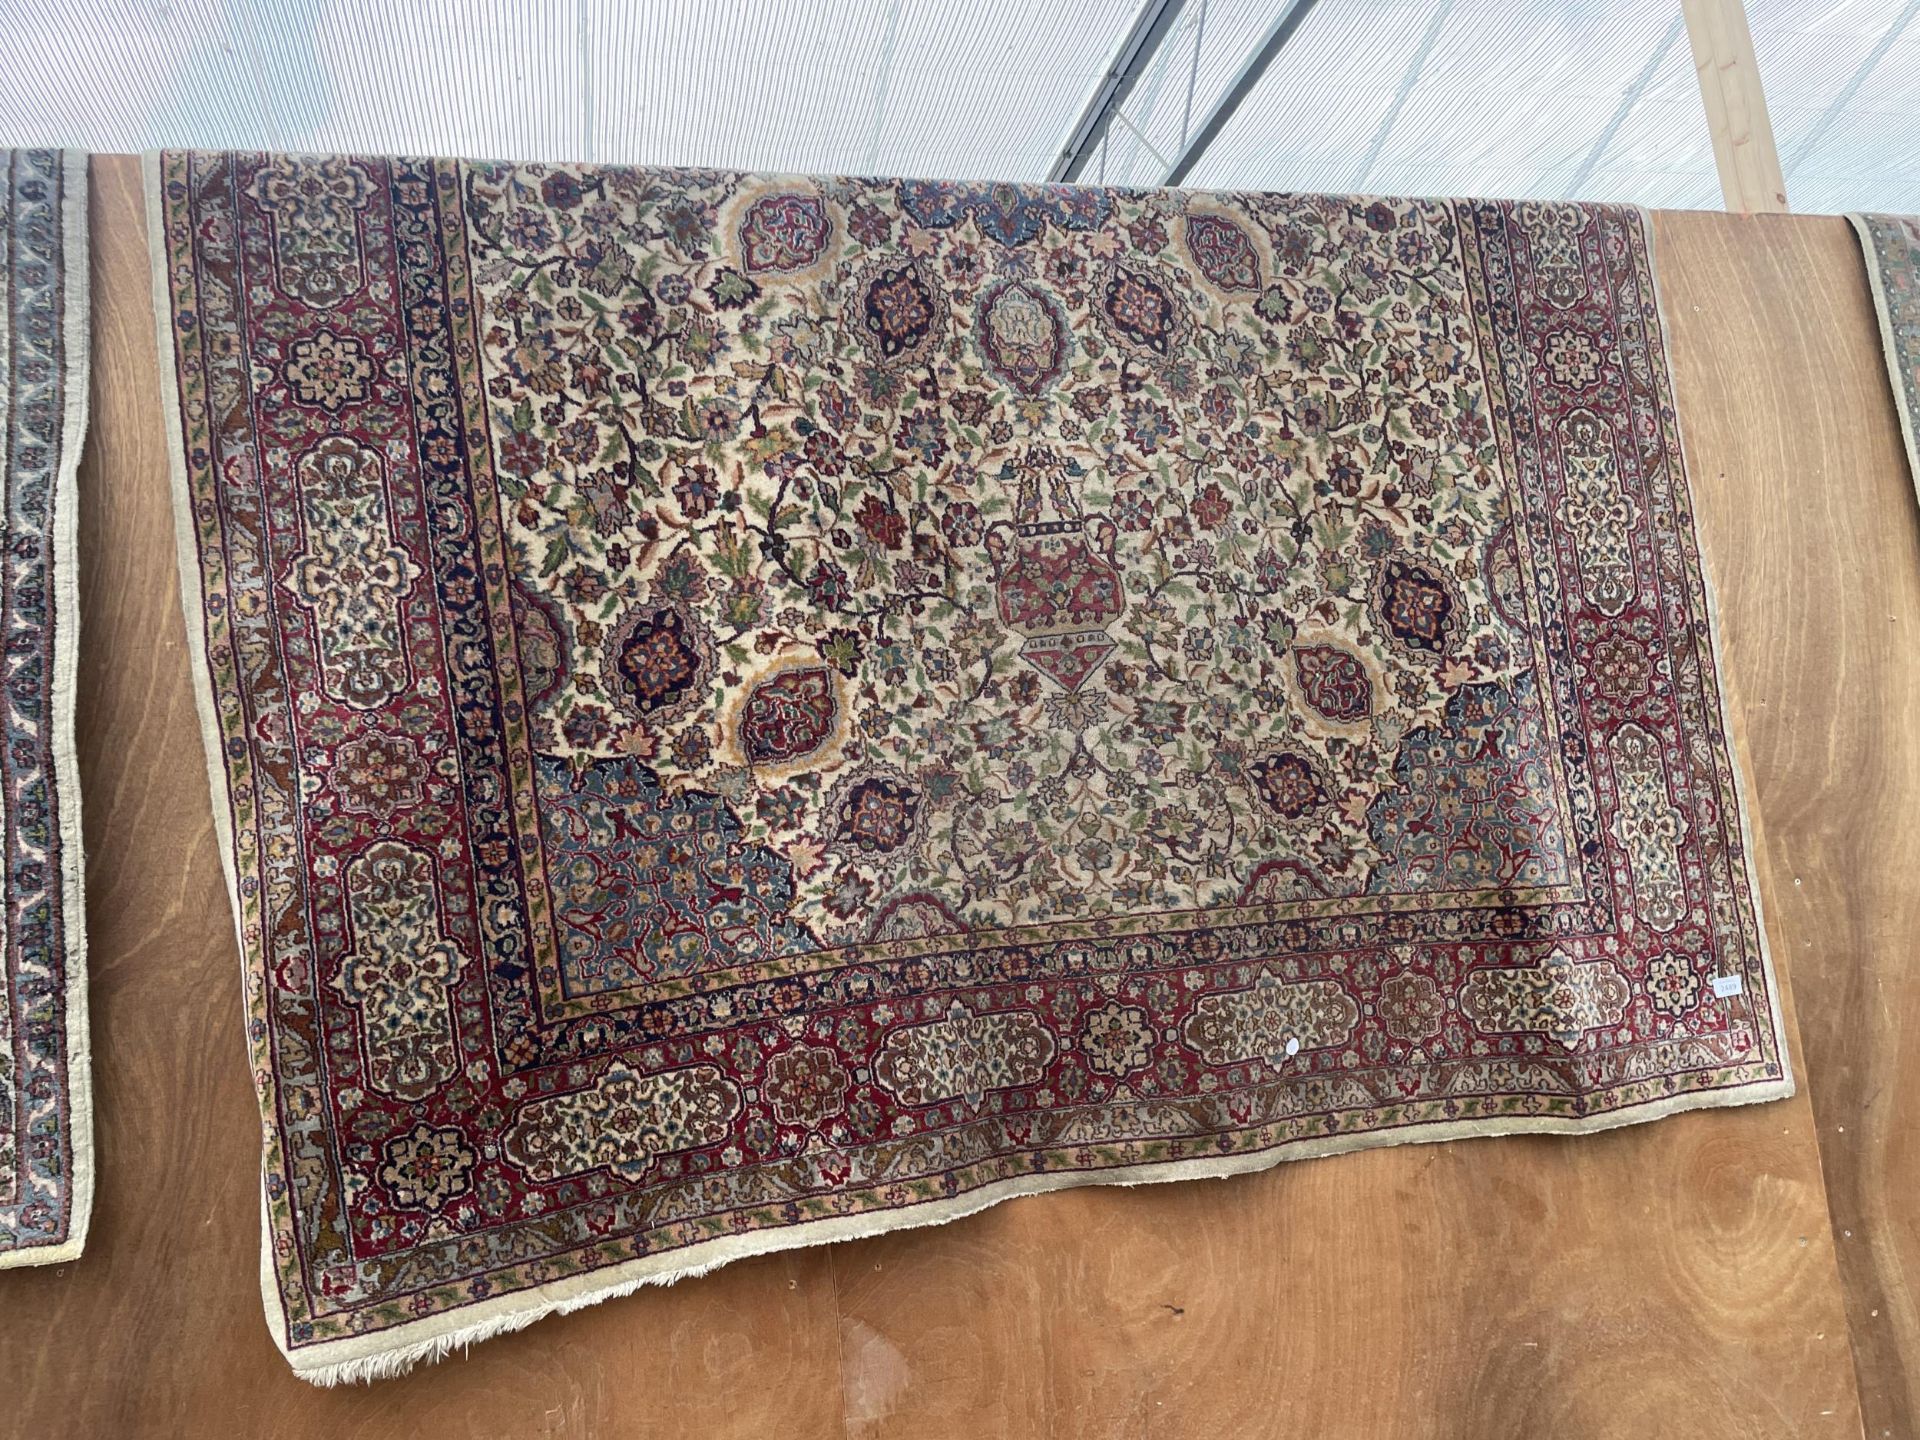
column 46, row 1106
column 753, row 711
column 1892, row 246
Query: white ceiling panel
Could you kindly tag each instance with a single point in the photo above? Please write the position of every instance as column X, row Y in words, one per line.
column 1535, row 98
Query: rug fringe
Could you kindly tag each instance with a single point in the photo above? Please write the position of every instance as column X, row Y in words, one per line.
column 390, row 1364
column 396, row 1360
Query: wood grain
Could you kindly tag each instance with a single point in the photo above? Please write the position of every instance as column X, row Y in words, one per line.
column 1676, row 1276
column 1806, row 501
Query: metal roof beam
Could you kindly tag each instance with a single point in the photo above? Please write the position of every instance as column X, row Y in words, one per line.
column 1150, row 28
column 1284, row 25
column 1625, row 108
column 1435, row 24
column 1811, row 140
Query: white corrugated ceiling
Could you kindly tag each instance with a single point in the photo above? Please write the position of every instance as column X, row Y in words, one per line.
column 1588, row 98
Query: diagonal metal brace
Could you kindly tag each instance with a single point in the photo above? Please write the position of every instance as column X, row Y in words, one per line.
column 1150, row 28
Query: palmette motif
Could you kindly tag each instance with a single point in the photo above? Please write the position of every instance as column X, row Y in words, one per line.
column 754, row 709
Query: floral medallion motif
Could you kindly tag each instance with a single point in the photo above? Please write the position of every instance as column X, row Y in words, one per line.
column 1140, row 313
column 1673, row 983
column 964, row 1056
column 1411, row 1006
column 1419, row 610
column 622, row 1122
column 902, row 312
column 353, row 574
column 400, row 973
column 878, row 814
column 1573, row 358
column 1292, row 784
column 427, row 1167
column 1274, row 1021
column 790, row 715
column 1117, row 1039
column 1564, row 997
column 658, row 661
column 1621, row 668
column 378, row 774
column 315, row 203
column 1334, row 682
column 807, row 1085
column 1649, row 825
column 1222, row 252
column 328, row 371
column 784, row 232
column 1023, row 336
column 1598, row 513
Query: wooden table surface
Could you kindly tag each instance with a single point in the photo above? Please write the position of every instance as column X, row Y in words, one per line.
column 1724, row 1273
